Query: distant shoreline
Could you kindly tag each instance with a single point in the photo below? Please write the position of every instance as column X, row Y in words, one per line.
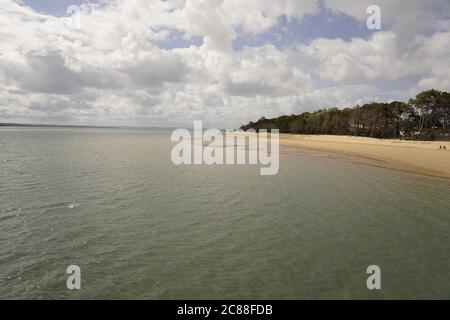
column 25, row 125
column 51, row 126
column 420, row 157
column 425, row 117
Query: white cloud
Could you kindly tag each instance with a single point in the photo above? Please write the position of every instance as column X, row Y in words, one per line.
column 261, row 71
column 341, row 97
column 406, row 18
column 379, row 59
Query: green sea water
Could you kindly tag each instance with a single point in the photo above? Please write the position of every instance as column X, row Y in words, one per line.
column 139, row 227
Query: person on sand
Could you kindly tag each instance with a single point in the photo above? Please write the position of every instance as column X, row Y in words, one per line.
column 440, row 147
column 445, row 148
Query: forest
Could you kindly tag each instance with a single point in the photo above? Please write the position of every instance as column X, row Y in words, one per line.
column 425, row 117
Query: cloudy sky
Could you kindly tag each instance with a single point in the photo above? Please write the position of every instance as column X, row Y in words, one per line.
column 226, row 62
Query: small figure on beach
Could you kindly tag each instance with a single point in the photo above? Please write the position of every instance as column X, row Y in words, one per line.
column 444, row 148
column 440, row 147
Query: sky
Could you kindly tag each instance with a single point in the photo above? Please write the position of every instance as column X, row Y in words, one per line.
column 226, row 62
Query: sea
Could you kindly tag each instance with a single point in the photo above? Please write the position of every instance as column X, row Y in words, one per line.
column 112, row 202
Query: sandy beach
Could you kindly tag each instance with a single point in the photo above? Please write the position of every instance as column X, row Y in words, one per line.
column 421, row 157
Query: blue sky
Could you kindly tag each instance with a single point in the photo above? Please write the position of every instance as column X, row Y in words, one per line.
column 291, row 32
column 288, row 32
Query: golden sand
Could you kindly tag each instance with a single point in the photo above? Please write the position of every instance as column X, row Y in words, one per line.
column 422, row 157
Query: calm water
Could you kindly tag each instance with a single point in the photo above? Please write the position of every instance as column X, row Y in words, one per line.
column 112, row 202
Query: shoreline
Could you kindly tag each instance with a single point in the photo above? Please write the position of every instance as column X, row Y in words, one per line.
column 419, row 157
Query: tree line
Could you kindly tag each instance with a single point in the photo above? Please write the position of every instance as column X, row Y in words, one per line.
column 425, row 117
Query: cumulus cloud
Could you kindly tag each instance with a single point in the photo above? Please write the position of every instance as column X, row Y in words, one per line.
column 405, row 17
column 376, row 58
column 260, row 71
column 113, row 70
